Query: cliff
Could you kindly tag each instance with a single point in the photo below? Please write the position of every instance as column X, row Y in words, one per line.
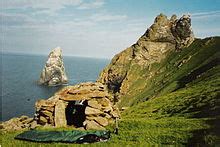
column 136, row 65
column 169, row 83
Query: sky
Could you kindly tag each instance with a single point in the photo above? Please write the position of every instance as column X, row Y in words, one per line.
column 93, row 28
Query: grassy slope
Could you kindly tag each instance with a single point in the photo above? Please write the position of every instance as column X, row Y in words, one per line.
column 190, row 112
column 169, row 75
column 181, row 99
column 182, row 104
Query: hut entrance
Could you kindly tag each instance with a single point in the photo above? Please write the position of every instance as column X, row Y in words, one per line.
column 75, row 113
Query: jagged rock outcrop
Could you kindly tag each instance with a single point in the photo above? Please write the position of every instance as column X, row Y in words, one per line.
column 86, row 105
column 173, row 30
column 164, row 36
column 54, row 72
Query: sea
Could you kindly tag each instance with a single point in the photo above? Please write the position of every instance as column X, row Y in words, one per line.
column 20, row 73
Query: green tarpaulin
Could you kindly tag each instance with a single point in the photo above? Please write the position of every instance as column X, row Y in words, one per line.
column 75, row 136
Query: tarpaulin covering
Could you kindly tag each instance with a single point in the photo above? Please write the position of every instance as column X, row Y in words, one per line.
column 74, row 136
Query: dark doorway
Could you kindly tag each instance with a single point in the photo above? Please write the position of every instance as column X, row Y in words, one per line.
column 75, row 113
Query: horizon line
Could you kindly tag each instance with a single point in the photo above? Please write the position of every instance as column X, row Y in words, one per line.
column 64, row 55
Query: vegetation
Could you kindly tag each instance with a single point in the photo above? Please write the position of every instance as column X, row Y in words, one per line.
column 174, row 72
column 178, row 105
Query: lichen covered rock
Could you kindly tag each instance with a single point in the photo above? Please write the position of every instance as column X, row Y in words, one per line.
column 54, row 72
column 59, row 116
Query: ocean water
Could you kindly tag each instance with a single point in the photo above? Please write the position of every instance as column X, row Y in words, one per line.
column 19, row 75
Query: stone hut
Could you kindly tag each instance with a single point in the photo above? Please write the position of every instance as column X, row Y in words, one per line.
column 87, row 105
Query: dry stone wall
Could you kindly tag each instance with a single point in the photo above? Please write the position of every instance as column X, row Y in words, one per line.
column 97, row 112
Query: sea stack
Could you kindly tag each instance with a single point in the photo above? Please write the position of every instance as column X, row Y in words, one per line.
column 54, row 73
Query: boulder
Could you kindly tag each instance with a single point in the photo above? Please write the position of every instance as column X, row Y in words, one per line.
column 42, row 120
column 94, row 104
column 46, row 113
column 60, row 115
column 92, row 111
column 54, row 72
column 45, row 104
column 86, row 96
column 101, row 120
column 104, row 102
column 92, row 125
column 84, row 91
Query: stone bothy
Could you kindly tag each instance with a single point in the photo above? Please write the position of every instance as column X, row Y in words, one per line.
column 86, row 105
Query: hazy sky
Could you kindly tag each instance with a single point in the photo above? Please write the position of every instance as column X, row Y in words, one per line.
column 94, row 28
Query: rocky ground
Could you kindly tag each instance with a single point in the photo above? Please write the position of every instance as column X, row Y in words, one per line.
column 19, row 123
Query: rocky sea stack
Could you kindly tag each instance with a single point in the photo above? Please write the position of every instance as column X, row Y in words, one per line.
column 54, row 72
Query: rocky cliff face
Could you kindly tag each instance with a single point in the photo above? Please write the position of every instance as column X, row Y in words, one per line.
column 54, row 71
column 164, row 36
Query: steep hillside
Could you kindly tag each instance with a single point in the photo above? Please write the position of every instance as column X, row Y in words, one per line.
column 188, row 116
column 171, row 89
column 160, row 62
column 174, row 72
column 140, row 61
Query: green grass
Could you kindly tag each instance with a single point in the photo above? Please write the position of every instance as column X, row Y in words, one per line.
column 178, row 105
column 174, row 130
column 196, row 99
column 135, row 132
column 168, row 76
